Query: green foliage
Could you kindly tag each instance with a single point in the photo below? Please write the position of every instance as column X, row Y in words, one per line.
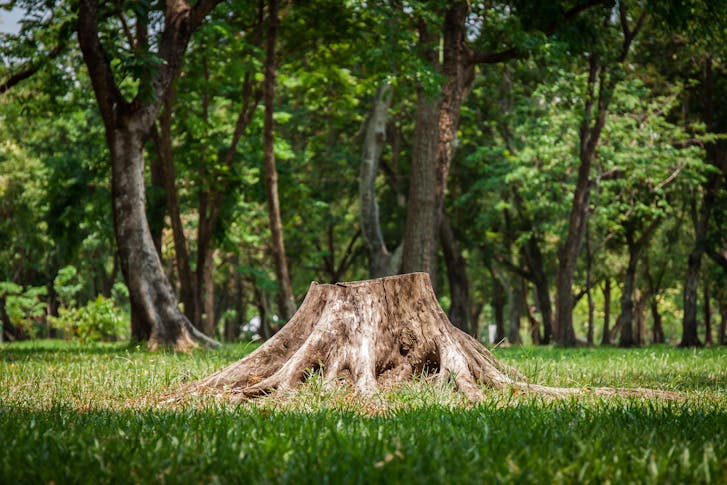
column 67, row 286
column 99, row 320
column 25, row 306
column 91, row 413
column 515, row 162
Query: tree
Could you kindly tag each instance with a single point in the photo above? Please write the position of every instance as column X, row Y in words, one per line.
column 128, row 124
column 286, row 299
column 702, row 213
column 602, row 79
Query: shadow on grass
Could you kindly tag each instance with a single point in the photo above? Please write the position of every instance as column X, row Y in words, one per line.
column 533, row 442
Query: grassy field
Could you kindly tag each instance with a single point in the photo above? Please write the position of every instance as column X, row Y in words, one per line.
column 92, row 414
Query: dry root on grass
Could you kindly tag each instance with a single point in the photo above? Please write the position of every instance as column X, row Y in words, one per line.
column 375, row 334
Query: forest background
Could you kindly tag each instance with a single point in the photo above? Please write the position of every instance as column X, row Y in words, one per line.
column 559, row 170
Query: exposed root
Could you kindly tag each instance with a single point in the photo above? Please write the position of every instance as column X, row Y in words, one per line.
column 374, row 335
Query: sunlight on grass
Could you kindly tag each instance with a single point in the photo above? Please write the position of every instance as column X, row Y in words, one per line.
column 97, row 413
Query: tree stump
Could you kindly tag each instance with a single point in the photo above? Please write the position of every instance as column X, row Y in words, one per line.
column 374, row 334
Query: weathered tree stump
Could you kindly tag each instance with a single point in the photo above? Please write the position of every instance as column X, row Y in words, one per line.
column 374, row 334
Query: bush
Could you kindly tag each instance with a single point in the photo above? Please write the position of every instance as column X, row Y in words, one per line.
column 98, row 320
column 25, row 307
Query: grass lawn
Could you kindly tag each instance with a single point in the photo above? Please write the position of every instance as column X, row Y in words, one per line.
column 92, row 414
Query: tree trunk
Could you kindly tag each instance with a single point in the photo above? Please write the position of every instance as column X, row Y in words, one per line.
column 606, row 337
column 374, row 335
column 534, row 259
column 498, row 306
column 475, row 318
column 626, row 319
column 232, row 326
column 152, row 297
column 570, row 248
column 516, row 310
column 187, row 280
column 707, row 314
column 208, row 299
column 434, row 140
column 286, row 300
column 535, row 337
column 691, row 285
column 723, row 322
column 422, row 218
column 381, row 261
column 457, row 276
column 640, row 317
column 717, row 155
column 157, row 207
column 599, row 92
column 589, row 294
column 658, row 330
column 155, row 312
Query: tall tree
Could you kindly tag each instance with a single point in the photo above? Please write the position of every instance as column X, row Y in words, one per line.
column 128, row 124
column 286, row 299
column 603, row 76
column 702, row 212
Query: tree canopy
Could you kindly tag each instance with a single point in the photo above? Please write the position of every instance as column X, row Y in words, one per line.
column 558, row 168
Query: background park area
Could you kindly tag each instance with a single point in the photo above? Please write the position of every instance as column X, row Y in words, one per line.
column 516, row 211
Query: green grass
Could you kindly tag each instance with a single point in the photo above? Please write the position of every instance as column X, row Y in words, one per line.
column 91, row 414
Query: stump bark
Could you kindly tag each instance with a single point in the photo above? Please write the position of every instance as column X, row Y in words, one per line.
column 374, row 334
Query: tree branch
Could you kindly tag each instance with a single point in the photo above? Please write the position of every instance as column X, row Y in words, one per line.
column 33, row 67
column 107, row 91
column 518, row 270
column 514, row 52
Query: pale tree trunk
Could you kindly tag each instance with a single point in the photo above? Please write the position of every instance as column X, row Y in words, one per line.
column 286, row 300
column 382, row 262
column 128, row 125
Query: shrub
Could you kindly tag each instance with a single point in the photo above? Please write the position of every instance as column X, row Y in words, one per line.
column 98, row 320
column 25, row 307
